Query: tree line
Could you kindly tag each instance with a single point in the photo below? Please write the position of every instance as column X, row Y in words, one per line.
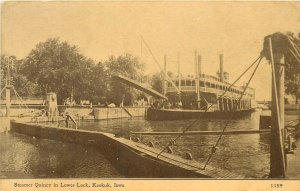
column 56, row 66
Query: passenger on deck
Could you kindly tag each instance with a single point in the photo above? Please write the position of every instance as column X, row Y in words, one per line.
column 180, row 104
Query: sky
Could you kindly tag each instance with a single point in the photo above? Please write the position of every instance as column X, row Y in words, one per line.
column 102, row 29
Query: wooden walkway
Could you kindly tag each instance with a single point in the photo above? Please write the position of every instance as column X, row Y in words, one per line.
column 175, row 160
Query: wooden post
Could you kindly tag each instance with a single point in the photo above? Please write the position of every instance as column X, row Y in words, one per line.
column 228, row 106
column 234, row 104
column 225, row 104
column 277, row 159
column 243, row 104
column 165, row 78
column 222, row 104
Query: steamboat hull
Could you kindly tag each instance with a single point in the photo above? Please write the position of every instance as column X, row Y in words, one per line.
column 171, row 114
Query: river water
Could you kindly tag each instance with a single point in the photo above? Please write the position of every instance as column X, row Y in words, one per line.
column 248, row 155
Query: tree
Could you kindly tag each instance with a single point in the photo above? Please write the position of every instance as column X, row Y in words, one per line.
column 58, row 67
column 157, row 81
column 22, row 85
column 96, row 84
column 128, row 66
column 292, row 70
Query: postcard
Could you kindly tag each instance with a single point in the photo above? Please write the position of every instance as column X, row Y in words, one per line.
column 150, row 95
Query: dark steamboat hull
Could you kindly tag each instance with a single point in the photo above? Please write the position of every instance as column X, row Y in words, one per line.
column 173, row 114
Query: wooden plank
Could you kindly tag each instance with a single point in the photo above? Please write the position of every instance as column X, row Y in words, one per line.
column 237, row 132
column 192, row 165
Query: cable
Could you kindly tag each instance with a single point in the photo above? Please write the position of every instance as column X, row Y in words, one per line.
column 213, row 150
column 194, row 122
column 168, row 78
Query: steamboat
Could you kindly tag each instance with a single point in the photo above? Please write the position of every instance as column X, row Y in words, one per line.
column 199, row 96
column 203, row 96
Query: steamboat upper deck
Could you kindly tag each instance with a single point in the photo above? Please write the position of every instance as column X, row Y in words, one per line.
column 209, row 84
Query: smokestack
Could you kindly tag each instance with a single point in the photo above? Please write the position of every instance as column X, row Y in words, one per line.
column 221, row 68
column 199, row 65
column 196, row 70
column 196, row 64
column 179, row 74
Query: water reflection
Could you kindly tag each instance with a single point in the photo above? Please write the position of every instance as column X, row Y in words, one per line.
column 26, row 157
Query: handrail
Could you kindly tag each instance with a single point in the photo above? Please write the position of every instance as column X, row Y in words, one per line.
column 238, row 132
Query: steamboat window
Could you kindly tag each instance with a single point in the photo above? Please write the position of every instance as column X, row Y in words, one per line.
column 188, row 83
column 177, row 83
column 183, row 82
column 201, row 84
column 193, row 82
column 207, row 84
column 213, row 85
